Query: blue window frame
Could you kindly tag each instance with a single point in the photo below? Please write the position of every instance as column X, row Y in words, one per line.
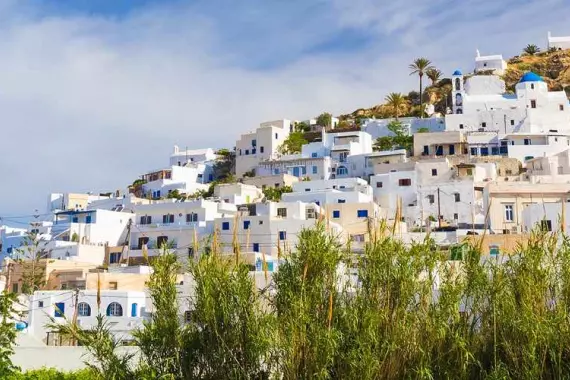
column 282, row 235
column 336, row 214
column 225, row 226
column 362, row 213
column 303, row 170
column 75, row 220
column 114, row 310
column 88, row 219
column 255, row 247
column 473, row 151
column 246, row 224
column 315, row 170
column 314, row 154
column 484, row 151
column 134, row 310
column 59, row 309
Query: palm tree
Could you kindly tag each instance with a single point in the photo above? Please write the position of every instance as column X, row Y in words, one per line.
column 531, row 49
column 434, row 75
column 395, row 101
column 420, row 66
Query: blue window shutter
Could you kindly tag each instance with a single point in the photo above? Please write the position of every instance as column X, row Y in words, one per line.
column 109, row 311
column 362, row 213
column 336, row 214
column 246, row 224
column 59, row 309
column 255, row 247
column 134, row 310
column 225, row 226
column 282, row 235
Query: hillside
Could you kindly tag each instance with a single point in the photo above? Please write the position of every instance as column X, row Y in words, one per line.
column 554, row 67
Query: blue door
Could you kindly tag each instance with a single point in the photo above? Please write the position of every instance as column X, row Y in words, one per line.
column 296, row 171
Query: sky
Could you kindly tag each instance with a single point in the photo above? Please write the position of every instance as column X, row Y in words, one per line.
column 94, row 93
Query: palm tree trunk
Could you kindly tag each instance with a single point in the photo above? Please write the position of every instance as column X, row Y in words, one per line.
column 421, row 99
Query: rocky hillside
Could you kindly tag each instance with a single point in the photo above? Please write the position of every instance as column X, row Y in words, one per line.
column 554, row 67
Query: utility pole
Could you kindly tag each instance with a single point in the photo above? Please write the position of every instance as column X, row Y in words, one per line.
column 75, row 312
column 438, row 208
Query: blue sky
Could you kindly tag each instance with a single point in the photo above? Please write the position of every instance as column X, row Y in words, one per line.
column 95, row 93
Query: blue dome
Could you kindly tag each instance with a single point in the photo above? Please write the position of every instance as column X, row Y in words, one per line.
column 531, row 77
column 457, row 72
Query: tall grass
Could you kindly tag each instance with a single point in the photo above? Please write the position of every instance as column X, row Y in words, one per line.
column 409, row 313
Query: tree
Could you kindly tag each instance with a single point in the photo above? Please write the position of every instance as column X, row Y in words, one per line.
column 293, row 143
column 324, row 120
column 419, row 67
column 383, row 143
column 531, row 49
column 301, row 126
column 7, row 333
column 396, row 102
column 434, row 75
column 30, row 255
column 423, row 130
column 225, row 164
column 274, row 193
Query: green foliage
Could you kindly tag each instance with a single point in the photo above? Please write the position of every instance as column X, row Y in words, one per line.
column 399, row 140
column 434, row 75
column 7, row 333
column 230, row 335
column 420, row 67
column 293, row 143
column 423, row 130
column 53, row 374
column 301, row 126
column 224, row 168
column 531, row 49
column 324, row 119
column 30, row 254
column 75, row 237
column 396, row 102
column 274, row 193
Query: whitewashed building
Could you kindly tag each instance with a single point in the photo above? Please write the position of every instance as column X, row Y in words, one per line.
column 346, row 190
column 184, row 179
column 261, row 144
column 125, row 311
column 314, row 168
column 191, row 156
column 238, row 193
column 379, row 127
column 494, row 63
column 558, row 43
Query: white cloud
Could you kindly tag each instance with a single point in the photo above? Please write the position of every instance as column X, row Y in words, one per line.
column 89, row 103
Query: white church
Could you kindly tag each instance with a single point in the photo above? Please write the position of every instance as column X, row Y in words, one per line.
column 529, row 123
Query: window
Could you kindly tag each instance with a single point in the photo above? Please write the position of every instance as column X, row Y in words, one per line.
column 315, row 170
column 75, row 219
column 15, row 288
column 59, row 309
column 311, row 213
column 378, row 184
column 187, row 316
column 455, row 216
column 494, row 250
column 336, row 214
column 168, row 218
column 261, row 150
column 561, row 107
column 460, row 126
column 341, row 170
column 253, row 151
column 83, row 309
column 314, row 155
column 255, row 247
column 431, row 198
column 282, row 235
column 134, row 308
column 457, row 197
column 439, row 150
column 469, row 171
column 484, row 151
column 452, row 149
column 192, row 217
column 113, row 285
column 307, row 190
column 282, row 212
column 40, row 304
column 426, row 150
column 246, row 224
column 433, row 172
column 546, row 225
column 533, row 103
column 509, row 213
column 357, row 238
column 225, row 226
column 276, row 136
column 114, row 310
column 483, row 125
column 473, row 151
column 527, row 142
column 114, row 257
column 253, row 143
column 88, row 219
column 146, row 219
column 142, row 241
column 341, row 201
column 512, row 122
column 405, row 182
column 247, row 152
column 362, row 213
column 161, row 241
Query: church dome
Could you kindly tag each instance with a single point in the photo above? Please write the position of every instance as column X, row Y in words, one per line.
column 531, row 77
column 457, row 72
